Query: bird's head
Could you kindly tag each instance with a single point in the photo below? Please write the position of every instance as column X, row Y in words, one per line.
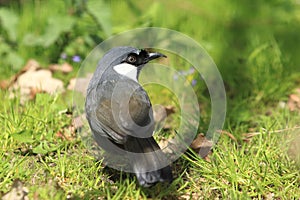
column 140, row 57
column 128, row 61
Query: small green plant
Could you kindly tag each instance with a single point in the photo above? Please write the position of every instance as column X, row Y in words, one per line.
column 35, row 131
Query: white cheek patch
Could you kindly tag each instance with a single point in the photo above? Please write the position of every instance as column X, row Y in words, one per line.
column 127, row 70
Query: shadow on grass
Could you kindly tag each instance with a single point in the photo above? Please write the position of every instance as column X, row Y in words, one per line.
column 122, row 185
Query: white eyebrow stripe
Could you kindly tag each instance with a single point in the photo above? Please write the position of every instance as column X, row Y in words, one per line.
column 127, row 70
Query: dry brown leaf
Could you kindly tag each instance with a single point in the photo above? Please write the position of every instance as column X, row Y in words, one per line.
column 31, row 80
column 294, row 101
column 4, row 84
column 202, row 145
column 31, row 65
column 291, row 105
column 33, row 92
column 65, row 68
column 295, row 98
column 40, row 79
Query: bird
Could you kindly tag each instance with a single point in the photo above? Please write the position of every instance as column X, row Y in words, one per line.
column 120, row 114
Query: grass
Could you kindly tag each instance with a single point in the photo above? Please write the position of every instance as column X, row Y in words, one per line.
column 257, row 55
column 259, row 168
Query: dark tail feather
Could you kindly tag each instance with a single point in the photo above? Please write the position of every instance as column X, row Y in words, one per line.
column 150, row 164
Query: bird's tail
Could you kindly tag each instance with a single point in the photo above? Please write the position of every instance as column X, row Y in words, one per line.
column 150, row 164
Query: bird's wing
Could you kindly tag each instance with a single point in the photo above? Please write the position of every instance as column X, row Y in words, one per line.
column 134, row 112
column 125, row 111
column 140, row 107
column 99, row 112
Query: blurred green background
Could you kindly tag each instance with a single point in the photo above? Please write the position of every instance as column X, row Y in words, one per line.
column 255, row 44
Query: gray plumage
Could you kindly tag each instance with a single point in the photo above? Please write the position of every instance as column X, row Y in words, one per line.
column 119, row 112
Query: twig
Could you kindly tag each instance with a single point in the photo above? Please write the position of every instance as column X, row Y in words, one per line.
column 249, row 135
column 228, row 134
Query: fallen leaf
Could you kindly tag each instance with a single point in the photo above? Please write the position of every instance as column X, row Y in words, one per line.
column 291, row 105
column 295, row 98
column 31, row 80
column 202, row 145
column 31, row 65
column 33, row 92
column 4, row 84
column 294, row 101
column 40, row 79
column 17, row 192
column 65, row 68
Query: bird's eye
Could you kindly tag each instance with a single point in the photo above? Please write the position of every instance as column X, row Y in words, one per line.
column 131, row 59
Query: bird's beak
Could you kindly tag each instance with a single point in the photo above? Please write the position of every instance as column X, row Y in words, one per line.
column 154, row 55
